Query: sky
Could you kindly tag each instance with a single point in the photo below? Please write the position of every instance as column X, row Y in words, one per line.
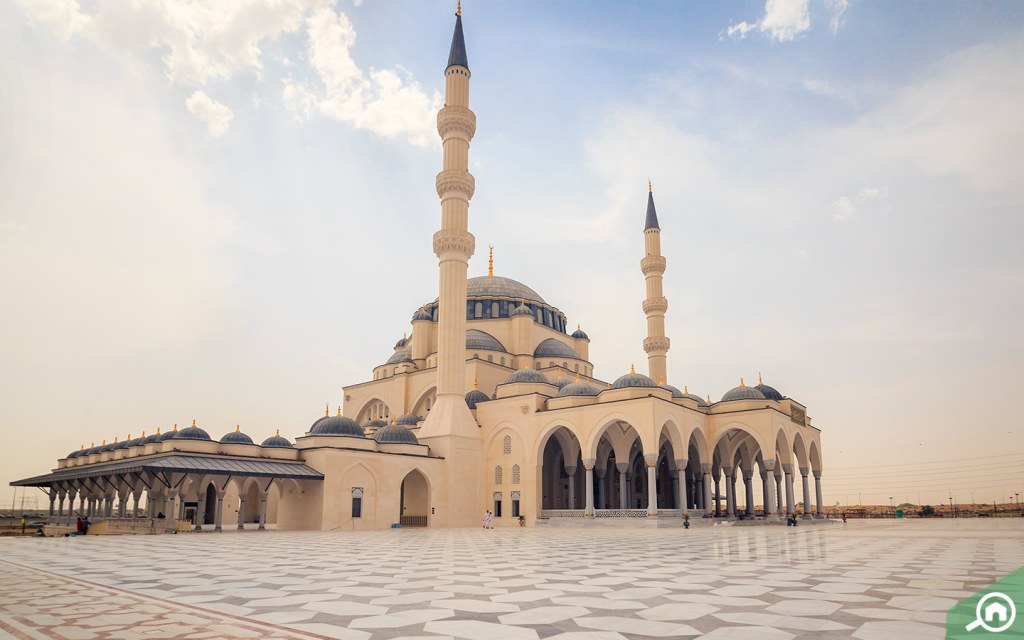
column 223, row 211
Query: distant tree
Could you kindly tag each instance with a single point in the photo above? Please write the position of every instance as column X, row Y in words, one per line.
column 927, row 511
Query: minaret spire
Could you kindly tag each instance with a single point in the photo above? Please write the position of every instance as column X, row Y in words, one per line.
column 655, row 305
column 454, row 245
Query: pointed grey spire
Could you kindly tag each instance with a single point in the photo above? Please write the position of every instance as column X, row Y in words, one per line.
column 652, row 215
column 457, row 55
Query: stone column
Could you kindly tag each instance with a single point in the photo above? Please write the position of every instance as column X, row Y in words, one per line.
column 718, row 496
column 817, row 493
column 730, row 494
column 770, row 506
column 122, row 505
column 200, row 511
column 602, row 490
column 790, row 502
column 241, row 512
column 623, row 485
column 109, row 509
column 588, row 465
column 60, row 507
column 706, row 484
column 683, row 494
column 263, row 511
column 82, row 507
column 218, row 518
column 136, row 496
column 53, row 498
column 652, row 484
column 780, row 482
column 748, row 485
column 169, row 499
column 764, row 492
column 807, row 492
column 571, row 471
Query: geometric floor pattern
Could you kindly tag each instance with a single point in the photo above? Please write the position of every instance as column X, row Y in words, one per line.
column 866, row 579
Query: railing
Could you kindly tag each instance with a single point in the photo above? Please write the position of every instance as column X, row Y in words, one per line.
column 620, row 513
column 562, row 513
column 670, row 513
column 413, row 521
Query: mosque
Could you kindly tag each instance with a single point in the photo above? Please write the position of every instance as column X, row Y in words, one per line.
column 489, row 404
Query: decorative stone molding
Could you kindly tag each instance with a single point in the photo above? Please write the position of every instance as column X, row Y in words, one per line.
column 460, row 182
column 769, row 464
column 681, row 464
column 622, row 467
column 817, row 474
column 456, row 122
column 803, row 471
column 571, row 471
column 653, row 265
column 461, row 243
column 705, row 468
column 656, row 344
column 788, row 468
column 655, row 305
column 588, row 463
column 651, row 459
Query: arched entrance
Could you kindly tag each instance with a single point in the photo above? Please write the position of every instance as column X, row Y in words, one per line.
column 415, row 503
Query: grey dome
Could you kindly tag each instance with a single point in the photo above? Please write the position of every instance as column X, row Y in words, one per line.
column 499, row 287
column 277, row 441
column 522, row 310
column 402, row 355
column 235, row 437
column 578, row 389
column 395, row 434
column 769, row 392
column 633, row 379
column 422, row 315
column 475, row 397
column 527, row 375
column 120, row 445
column 580, row 333
column 169, row 435
column 150, row 439
column 408, row 419
column 401, row 342
column 337, row 426
column 476, row 339
column 699, row 400
column 193, row 433
column 676, row 393
column 75, row 453
column 105, row 447
column 743, row 392
column 376, row 422
column 552, row 348
column 559, row 382
column 137, row 441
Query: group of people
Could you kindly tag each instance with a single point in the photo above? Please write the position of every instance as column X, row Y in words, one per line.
column 82, row 526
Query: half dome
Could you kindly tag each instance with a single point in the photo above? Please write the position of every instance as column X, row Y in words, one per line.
column 402, row 355
column 193, row 433
column 633, row 379
column 408, row 420
column 552, row 348
column 475, row 397
column 476, row 339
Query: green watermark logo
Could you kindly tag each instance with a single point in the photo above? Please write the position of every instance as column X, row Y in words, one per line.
column 993, row 612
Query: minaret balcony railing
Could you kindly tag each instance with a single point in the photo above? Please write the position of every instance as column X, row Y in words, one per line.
column 454, row 241
column 655, row 305
column 449, row 182
column 656, row 344
column 653, row 265
column 457, row 122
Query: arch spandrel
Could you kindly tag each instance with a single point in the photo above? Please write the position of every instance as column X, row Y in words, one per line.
column 814, row 456
column 800, row 450
column 552, row 427
column 609, row 423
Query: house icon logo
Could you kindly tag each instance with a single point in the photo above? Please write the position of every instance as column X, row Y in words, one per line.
column 995, row 613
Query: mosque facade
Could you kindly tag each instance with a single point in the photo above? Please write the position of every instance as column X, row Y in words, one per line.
column 489, row 404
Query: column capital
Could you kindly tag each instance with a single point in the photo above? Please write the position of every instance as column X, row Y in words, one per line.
column 748, row 474
column 622, row 467
column 651, row 459
column 769, row 464
column 589, row 462
column 803, row 471
column 681, row 463
column 571, row 470
column 788, row 468
column 817, row 473
column 705, row 468
column 601, row 472
column 727, row 471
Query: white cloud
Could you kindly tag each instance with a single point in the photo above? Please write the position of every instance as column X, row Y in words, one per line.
column 843, row 208
column 783, row 21
column 869, row 193
column 216, row 115
column 839, row 8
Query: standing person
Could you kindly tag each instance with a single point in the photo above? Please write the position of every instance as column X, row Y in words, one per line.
column 78, row 525
column 85, row 526
column 487, row 520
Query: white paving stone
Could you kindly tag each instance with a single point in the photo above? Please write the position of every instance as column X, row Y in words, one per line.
column 543, row 615
column 636, row 627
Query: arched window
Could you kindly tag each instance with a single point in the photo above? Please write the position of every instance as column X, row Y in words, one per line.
column 515, row 474
column 540, row 316
column 497, row 475
column 507, row 445
column 494, row 309
column 490, row 358
column 503, row 361
column 476, row 356
column 565, row 365
column 478, row 310
column 576, row 367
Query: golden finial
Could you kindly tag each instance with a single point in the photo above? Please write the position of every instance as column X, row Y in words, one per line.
column 238, row 428
column 686, row 389
column 327, row 409
column 158, row 431
column 741, row 383
column 474, row 383
column 143, row 435
column 92, row 445
column 339, row 409
column 277, row 432
column 709, row 398
column 83, row 447
column 577, row 376
column 649, row 188
column 661, row 380
column 115, row 439
column 175, row 426
column 490, row 261
column 392, row 419
column 759, row 380
column 193, row 423
column 632, row 370
column 129, row 438
column 104, row 442
column 458, row 9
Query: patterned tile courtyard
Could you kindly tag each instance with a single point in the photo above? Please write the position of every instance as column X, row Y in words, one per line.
column 866, row 579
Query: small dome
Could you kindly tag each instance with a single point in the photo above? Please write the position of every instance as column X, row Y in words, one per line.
column 141, row 440
column 559, row 382
column 633, row 379
column 522, row 310
column 169, row 435
column 476, row 339
column 75, row 454
column 336, row 426
column 401, row 342
column 475, row 397
column 153, row 438
column 580, row 333
column 395, row 434
column 120, row 445
column 235, row 437
column 527, row 375
column 578, row 389
column 743, row 392
column 676, row 393
column 422, row 315
column 278, row 441
column 106, row 447
column 552, row 348
column 376, row 422
column 769, row 392
column 408, row 420
column 402, row 355
column 193, row 433
column 690, row 396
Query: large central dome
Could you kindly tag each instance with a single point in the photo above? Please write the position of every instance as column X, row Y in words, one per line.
column 489, row 297
column 499, row 287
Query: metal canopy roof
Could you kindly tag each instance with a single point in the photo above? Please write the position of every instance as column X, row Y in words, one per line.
column 180, row 463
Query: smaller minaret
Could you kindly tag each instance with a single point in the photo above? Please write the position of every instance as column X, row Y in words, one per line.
column 655, row 305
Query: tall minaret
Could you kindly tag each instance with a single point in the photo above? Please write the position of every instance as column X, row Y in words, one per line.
column 453, row 245
column 655, row 305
